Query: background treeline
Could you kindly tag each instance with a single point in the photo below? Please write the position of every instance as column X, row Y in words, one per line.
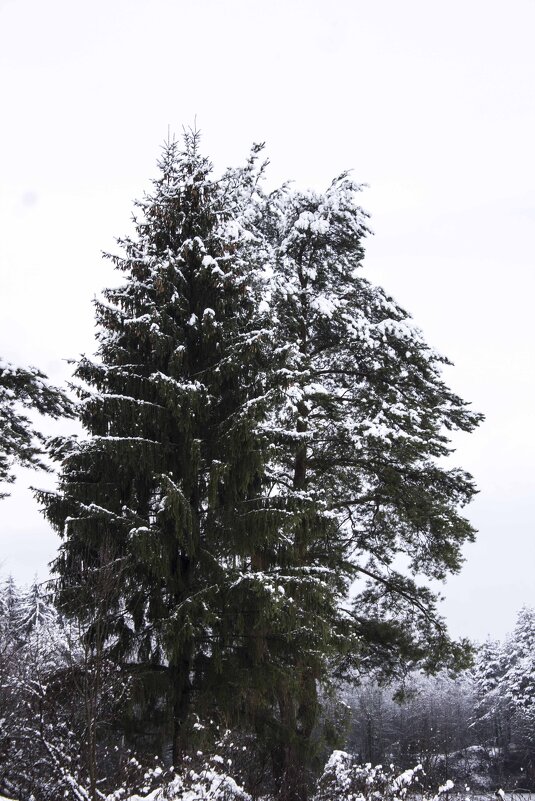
column 60, row 702
column 477, row 728
column 63, row 706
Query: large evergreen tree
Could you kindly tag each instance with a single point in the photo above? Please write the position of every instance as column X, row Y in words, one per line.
column 358, row 425
column 150, row 501
column 264, row 428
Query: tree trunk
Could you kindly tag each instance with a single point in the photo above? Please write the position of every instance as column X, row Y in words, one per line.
column 180, row 676
column 298, row 711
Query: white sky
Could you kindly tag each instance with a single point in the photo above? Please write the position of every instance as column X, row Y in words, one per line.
column 431, row 103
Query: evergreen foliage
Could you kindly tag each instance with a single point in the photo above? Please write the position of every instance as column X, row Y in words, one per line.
column 151, row 503
column 35, row 611
column 20, row 442
column 264, row 427
column 504, row 676
column 357, row 424
column 518, row 683
column 364, row 421
column 9, row 603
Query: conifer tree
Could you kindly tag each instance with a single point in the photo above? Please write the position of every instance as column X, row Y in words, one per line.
column 35, row 611
column 150, row 501
column 518, row 684
column 505, row 681
column 10, row 603
column 358, row 429
column 492, row 711
column 20, row 442
column 264, row 428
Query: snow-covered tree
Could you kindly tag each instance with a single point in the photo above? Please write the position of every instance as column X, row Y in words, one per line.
column 264, row 427
column 365, row 414
column 504, row 676
column 35, row 610
column 157, row 503
column 33, row 651
column 9, row 602
column 492, row 712
column 20, row 442
column 518, row 681
column 50, row 705
column 358, row 423
column 424, row 719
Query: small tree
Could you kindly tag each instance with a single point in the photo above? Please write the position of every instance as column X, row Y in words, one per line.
column 59, row 700
column 505, row 712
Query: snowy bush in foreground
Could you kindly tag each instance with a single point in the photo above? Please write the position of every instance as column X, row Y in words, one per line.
column 206, row 784
column 344, row 779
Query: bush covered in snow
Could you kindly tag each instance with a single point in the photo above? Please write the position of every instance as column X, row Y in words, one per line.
column 207, row 784
column 344, row 779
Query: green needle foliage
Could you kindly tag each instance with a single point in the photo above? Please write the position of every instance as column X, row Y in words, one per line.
column 358, row 424
column 264, row 449
column 20, row 442
column 149, row 503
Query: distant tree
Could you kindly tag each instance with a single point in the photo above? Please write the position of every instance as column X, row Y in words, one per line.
column 32, row 650
column 505, row 711
column 492, row 713
column 35, row 610
column 9, row 602
column 20, row 442
column 10, row 640
column 426, row 720
column 54, row 694
column 519, row 679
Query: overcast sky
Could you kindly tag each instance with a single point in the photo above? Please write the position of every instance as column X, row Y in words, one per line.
column 430, row 103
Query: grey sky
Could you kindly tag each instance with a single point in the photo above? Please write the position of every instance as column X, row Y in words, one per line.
column 431, row 103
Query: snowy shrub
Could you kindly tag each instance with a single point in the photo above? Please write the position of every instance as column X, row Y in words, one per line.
column 344, row 779
column 207, row 784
